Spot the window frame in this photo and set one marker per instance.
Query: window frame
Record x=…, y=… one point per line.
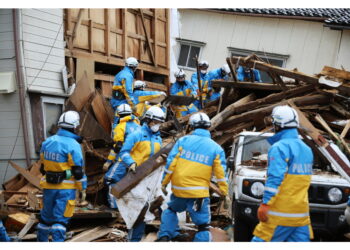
x=52, y=100
x=190, y=43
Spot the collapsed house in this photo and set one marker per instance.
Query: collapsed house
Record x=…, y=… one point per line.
x=322, y=102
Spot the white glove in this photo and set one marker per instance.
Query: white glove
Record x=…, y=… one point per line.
x=132, y=167
x=163, y=93
x=83, y=196
x=347, y=214
x=227, y=202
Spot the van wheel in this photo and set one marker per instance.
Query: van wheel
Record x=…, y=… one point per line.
x=242, y=231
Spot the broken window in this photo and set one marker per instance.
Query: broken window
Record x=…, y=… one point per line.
x=271, y=58
x=188, y=52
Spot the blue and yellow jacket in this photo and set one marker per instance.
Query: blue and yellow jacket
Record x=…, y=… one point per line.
x=241, y=74
x=59, y=153
x=191, y=163
x=140, y=97
x=124, y=83
x=126, y=126
x=289, y=173
x=185, y=89
x=204, y=78
x=139, y=146
x=215, y=74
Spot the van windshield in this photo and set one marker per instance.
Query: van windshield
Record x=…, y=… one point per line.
x=253, y=147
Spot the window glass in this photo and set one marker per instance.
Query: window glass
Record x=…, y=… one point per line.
x=183, y=55
x=52, y=113
x=192, y=61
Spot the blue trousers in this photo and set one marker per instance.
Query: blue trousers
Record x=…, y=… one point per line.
x=58, y=208
x=169, y=220
x=135, y=234
x=113, y=175
x=3, y=234
x=288, y=234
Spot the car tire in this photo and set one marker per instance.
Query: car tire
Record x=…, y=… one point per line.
x=242, y=232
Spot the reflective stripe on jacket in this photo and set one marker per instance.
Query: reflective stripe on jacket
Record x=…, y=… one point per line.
x=124, y=83
x=289, y=173
x=185, y=89
x=59, y=153
x=139, y=146
x=191, y=163
x=140, y=97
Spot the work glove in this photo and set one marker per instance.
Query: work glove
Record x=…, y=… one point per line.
x=163, y=93
x=132, y=167
x=227, y=201
x=347, y=214
x=83, y=195
x=262, y=212
x=106, y=166
x=165, y=192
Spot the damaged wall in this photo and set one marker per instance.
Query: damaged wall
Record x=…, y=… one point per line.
x=309, y=45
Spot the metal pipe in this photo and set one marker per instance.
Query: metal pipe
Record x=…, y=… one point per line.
x=20, y=83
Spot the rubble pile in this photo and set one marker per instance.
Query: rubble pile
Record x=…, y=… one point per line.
x=322, y=101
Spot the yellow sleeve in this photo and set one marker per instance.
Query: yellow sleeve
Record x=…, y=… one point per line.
x=119, y=132
x=220, y=175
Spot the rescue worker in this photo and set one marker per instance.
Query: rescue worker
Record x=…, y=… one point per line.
x=123, y=84
x=63, y=174
x=128, y=124
x=190, y=165
x=3, y=234
x=284, y=212
x=245, y=74
x=221, y=73
x=141, y=97
x=182, y=87
x=137, y=148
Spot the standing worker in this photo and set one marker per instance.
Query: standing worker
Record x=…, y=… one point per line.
x=190, y=165
x=123, y=84
x=216, y=74
x=204, y=82
x=62, y=160
x=141, y=97
x=247, y=74
x=182, y=87
x=284, y=212
x=138, y=147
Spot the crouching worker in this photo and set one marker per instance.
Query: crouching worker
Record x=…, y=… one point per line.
x=284, y=212
x=62, y=167
x=138, y=148
x=190, y=165
x=127, y=125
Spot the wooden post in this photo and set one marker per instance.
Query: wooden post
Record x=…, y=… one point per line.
x=148, y=38
x=91, y=38
x=107, y=33
x=124, y=39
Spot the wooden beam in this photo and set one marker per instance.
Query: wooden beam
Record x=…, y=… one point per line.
x=77, y=25
x=27, y=175
x=233, y=70
x=107, y=33
x=124, y=37
x=132, y=179
x=345, y=130
x=155, y=34
x=337, y=73
x=91, y=36
x=249, y=85
x=340, y=110
x=92, y=234
x=227, y=112
x=148, y=38
x=275, y=69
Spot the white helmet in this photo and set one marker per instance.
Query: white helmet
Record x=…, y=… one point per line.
x=139, y=84
x=155, y=113
x=285, y=117
x=203, y=64
x=69, y=119
x=131, y=62
x=226, y=69
x=180, y=73
x=124, y=109
x=200, y=120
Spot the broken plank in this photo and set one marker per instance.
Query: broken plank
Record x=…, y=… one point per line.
x=345, y=130
x=82, y=93
x=91, y=234
x=338, y=73
x=100, y=112
x=32, y=220
x=275, y=69
x=249, y=85
x=27, y=175
x=219, y=118
x=340, y=110
x=132, y=179
x=151, y=237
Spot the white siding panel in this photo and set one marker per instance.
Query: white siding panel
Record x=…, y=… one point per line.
x=44, y=74
x=254, y=33
x=5, y=11
x=44, y=66
x=45, y=88
x=213, y=37
x=5, y=168
x=43, y=82
x=41, y=23
x=283, y=36
x=7, y=54
x=5, y=18
x=9, y=123
x=43, y=49
x=34, y=38
x=40, y=57
x=43, y=16
x=11, y=115
x=6, y=27
x=9, y=45
x=43, y=32
x=18, y=150
x=268, y=33
x=56, y=12
x=240, y=33
x=6, y=36
x=7, y=65
x=344, y=51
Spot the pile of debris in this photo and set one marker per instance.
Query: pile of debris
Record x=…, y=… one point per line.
x=322, y=101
